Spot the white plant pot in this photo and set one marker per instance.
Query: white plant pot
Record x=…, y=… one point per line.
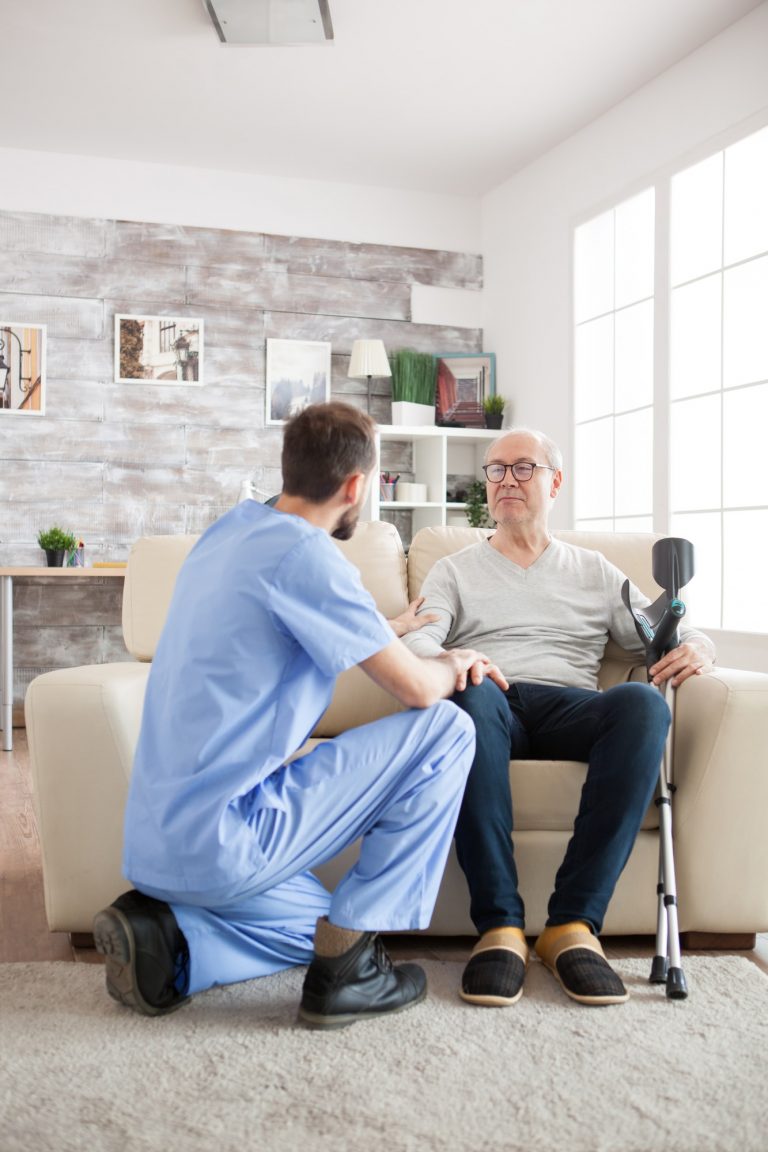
x=416, y=415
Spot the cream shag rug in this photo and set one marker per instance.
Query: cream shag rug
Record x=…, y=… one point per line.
x=231, y=1071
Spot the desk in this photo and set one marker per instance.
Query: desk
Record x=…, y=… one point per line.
x=30, y=576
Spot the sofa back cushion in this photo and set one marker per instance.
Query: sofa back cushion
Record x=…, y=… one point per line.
x=153, y=565
x=631, y=552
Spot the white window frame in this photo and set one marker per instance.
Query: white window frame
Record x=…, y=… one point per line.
x=754, y=643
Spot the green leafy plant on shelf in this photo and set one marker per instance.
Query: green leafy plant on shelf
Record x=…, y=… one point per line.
x=494, y=405
x=475, y=506
x=414, y=375
x=56, y=540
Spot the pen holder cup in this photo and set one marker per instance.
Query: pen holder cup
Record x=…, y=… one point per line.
x=387, y=492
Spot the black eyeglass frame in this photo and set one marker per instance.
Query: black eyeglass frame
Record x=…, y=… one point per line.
x=524, y=464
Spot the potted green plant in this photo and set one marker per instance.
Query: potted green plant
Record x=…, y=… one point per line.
x=414, y=376
x=56, y=543
x=493, y=407
x=475, y=505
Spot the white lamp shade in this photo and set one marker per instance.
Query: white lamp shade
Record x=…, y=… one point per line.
x=368, y=358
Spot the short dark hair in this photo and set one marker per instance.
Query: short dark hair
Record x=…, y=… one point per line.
x=323, y=445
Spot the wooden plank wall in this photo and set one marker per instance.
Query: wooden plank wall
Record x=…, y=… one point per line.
x=113, y=462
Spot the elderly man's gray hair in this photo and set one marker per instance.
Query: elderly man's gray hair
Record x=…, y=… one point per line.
x=553, y=454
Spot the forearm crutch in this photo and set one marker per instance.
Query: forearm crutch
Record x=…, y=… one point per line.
x=657, y=627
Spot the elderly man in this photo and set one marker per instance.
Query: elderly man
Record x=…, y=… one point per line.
x=543, y=610
x=221, y=830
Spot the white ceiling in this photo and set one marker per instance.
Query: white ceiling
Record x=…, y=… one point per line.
x=435, y=95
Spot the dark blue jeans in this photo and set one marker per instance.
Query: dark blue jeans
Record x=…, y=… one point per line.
x=619, y=733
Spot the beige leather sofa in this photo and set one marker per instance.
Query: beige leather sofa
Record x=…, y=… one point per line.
x=83, y=724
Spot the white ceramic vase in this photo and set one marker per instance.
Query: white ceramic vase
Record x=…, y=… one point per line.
x=415, y=415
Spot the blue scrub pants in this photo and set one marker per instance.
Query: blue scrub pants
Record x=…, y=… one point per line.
x=397, y=783
x=620, y=733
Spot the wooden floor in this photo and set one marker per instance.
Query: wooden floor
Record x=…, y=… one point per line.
x=24, y=934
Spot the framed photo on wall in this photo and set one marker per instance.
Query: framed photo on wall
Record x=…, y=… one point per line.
x=22, y=368
x=298, y=374
x=158, y=350
x=464, y=379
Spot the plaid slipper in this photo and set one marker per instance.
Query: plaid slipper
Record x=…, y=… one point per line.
x=577, y=961
x=493, y=977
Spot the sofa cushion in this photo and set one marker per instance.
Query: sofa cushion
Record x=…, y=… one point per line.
x=153, y=565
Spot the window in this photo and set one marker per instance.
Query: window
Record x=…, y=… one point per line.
x=167, y=337
x=711, y=396
x=613, y=370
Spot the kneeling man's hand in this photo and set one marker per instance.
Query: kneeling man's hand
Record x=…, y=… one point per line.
x=474, y=667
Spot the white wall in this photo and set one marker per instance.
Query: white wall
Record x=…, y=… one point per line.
x=127, y=190
x=528, y=223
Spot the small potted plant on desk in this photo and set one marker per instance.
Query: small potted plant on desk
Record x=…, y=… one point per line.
x=493, y=407
x=56, y=543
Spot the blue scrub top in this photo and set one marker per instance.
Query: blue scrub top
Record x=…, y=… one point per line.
x=265, y=614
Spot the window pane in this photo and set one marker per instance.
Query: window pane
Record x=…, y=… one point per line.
x=745, y=604
x=634, y=463
x=745, y=322
x=593, y=262
x=695, y=328
x=594, y=369
x=696, y=214
x=594, y=525
x=634, y=356
x=746, y=198
x=702, y=595
x=634, y=249
x=694, y=454
x=745, y=421
x=634, y=524
x=594, y=467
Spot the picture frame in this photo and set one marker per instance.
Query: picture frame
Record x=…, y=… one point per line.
x=158, y=350
x=298, y=374
x=22, y=368
x=464, y=380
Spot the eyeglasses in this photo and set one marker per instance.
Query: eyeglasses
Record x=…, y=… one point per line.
x=521, y=471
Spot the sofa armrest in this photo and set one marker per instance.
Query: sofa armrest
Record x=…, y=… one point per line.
x=82, y=727
x=720, y=807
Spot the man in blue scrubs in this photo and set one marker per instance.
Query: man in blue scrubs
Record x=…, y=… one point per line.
x=221, y=833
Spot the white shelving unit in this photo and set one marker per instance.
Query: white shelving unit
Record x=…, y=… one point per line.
x=437, y=454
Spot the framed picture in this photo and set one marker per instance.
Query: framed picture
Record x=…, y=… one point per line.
x=22, y=368
x=298, y=374
x=158, y=350
x=463, y=382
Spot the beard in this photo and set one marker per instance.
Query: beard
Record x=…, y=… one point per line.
x=347, y=524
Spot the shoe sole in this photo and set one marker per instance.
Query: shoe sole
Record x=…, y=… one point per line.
x=484, y=1000
x=114, y=940
x=326, y=1021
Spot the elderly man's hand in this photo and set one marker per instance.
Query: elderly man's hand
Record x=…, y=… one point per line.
x=684, y=661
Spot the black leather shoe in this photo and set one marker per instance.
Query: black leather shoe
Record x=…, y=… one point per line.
x=357, y=985
x=145, y=951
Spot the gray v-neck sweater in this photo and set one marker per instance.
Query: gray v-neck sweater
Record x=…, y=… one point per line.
x=548, y=623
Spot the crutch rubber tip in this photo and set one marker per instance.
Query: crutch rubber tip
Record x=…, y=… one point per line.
x=677, y=989
x=658, y=970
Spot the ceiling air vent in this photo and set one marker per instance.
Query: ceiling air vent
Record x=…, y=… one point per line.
x=271, y=21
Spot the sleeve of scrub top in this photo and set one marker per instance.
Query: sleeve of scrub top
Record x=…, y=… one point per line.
x=319, y=599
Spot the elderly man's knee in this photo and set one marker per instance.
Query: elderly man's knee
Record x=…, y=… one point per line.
x=637, y=703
